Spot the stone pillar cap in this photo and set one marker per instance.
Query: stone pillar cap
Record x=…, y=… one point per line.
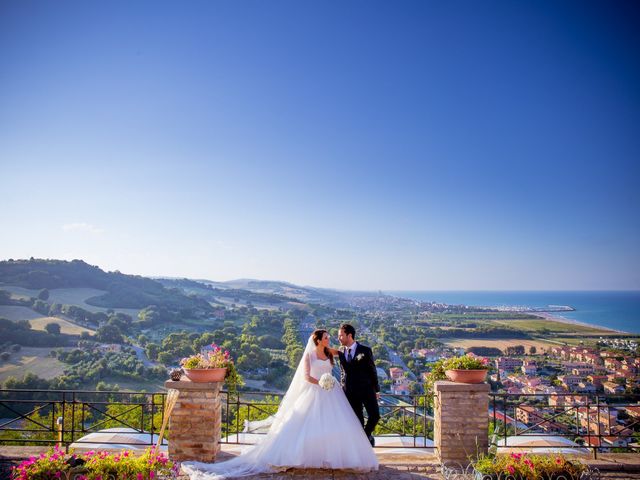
x=447, y=386
x=186, y=384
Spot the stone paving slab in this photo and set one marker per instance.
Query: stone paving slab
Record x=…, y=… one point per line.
x=401, y=464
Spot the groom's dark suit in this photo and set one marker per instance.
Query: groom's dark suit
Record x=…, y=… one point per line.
x=360, y=384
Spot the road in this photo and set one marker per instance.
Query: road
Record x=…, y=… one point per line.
x=142, y=356
x=395, y=359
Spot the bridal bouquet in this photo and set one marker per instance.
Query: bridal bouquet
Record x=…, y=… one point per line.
x=327, y=381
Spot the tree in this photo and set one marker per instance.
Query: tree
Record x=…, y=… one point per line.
x=43, y=294
x=152, y=350
x=515, y=350
x=5, y=297
x=109, y=334
x=53, y=328
x=165, y=358
x=533, y=350
x=5, y=356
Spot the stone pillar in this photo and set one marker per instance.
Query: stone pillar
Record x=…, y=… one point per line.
x=461, y=421
x=194, y=423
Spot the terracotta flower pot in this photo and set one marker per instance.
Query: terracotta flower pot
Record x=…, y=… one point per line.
x=466, y=376
x=205, y=375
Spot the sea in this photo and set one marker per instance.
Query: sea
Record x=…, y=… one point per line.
x=617, y=310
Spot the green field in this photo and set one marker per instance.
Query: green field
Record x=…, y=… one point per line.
x=540, y=325
x=77, y=296
x=66, y=327
x=31, y=359
x=15, y=313
x=19, y=291
x=65, y=296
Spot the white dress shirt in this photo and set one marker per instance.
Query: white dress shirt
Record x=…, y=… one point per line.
x=351, y=349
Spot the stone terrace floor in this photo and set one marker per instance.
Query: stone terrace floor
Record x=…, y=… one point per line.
x=406, y=464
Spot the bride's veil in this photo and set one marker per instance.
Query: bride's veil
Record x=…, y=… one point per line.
x=297, y=386
x=253, y=461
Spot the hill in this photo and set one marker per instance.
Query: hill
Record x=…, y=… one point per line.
x=120, y=290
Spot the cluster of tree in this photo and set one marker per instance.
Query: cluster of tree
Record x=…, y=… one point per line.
x=20, y=332
x=181, y=344
x=485, y=351
x=405, y=338
x=294, y=347
x=7, y=349
x=514, y=350
x=88, y=365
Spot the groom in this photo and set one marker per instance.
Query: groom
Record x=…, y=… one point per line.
x=359, y=378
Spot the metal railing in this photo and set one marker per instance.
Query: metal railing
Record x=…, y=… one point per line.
x=47, y=417
x=405, y=420
x=590, y=421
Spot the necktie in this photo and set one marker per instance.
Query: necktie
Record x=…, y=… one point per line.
x=349, y=356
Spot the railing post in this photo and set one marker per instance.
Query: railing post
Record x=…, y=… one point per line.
x=59, y=426
x=73, y=417
x=64, y=417
x=595, y=450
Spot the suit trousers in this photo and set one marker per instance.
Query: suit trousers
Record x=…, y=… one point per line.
x=367, y=399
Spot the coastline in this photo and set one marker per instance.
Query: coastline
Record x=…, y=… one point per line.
x=612, y=312
x=554, y=317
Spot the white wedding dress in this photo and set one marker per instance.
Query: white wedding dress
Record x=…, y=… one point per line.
x=313, y=428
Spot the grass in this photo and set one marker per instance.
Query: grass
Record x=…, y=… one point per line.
x=15, y=313
x=558, y=333
x=538, y=326
x=68, y=296
x=31, y=359
x=78, y=296
x=19, y=291
x=66, y=327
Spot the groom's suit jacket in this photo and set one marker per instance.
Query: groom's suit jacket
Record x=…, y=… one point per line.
x=359, y=374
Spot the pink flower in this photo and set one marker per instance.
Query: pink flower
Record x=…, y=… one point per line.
x=511, y=469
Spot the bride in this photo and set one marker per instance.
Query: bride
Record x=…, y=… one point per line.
x=313, y=428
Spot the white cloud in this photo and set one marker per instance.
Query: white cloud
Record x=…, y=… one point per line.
x=82, y=227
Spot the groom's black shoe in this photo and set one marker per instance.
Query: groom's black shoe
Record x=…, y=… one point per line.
x=372, y=441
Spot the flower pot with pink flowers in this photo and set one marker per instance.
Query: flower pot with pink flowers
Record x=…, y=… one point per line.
x=213, y=365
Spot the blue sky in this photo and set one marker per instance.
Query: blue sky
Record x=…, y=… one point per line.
x=362, y=145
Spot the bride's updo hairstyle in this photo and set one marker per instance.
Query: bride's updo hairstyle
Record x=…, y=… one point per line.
x=317, y=338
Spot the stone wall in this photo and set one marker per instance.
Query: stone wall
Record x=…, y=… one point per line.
x=461, y=421
x=194, y=423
